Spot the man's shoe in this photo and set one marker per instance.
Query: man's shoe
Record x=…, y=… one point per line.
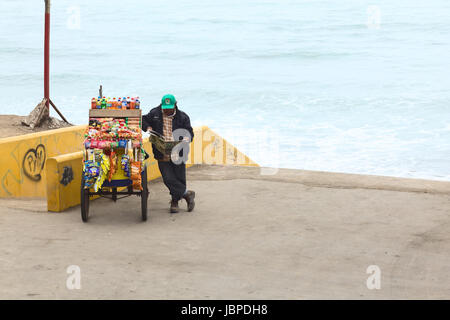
x=189, y=197
x=174, y=206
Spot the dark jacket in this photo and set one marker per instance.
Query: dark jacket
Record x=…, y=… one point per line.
x=154, y=119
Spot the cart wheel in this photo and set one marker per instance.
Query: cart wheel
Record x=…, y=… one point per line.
x=144, y=194
x=84, y=201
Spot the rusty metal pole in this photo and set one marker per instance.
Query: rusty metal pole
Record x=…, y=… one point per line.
x=42, y=110
x=47, y=55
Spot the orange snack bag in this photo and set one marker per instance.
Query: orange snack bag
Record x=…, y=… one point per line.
x=136, y=175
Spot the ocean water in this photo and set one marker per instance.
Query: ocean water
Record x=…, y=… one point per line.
x=348, y=86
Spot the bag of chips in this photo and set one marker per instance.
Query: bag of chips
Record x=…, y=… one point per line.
x=91, y=171
x=136, y=175
x=125, y=163
x=113, y=164
x=104, y=169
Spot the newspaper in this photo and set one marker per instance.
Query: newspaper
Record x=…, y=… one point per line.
x=162, y=145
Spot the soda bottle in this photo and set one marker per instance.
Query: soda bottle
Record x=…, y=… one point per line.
x=137, y=104
x=99, y=103
x=114, y=103
x=93, y=103
x=108, y=103
x=124, y=103
x=103, y=103
x=132, y=103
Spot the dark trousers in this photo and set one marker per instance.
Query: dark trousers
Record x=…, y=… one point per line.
x=174, y=177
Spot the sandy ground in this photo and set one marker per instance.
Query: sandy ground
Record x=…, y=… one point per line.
x=10, y=125
x=292, y=235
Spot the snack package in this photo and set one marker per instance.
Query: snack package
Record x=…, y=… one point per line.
x=94, y=144
x=91, y=171
x=114, y=144
x=98, y=155
x=125, y=163
x=136, y=175
x=113, y=164
x=103, y=175
x=122, y=143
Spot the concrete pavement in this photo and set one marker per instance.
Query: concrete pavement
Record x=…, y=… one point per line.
x=292, y=235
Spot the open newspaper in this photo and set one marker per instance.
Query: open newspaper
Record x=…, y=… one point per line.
x=163, y=146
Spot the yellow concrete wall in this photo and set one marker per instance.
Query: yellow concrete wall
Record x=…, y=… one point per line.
x=64, y=181
x=23, y=159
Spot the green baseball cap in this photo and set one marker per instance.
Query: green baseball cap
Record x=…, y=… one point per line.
x=168, y=101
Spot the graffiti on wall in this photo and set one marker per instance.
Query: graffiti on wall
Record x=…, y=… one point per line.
x=33, y=162
x=67, y=176
x=22, y=165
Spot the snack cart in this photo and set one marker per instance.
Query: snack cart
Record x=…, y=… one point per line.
x=113, y=163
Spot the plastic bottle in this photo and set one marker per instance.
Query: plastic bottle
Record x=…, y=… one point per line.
x=124, y=103
x=130, y=149
x=99, y=103
x=119, y=103
x=137, y=104
x=108, y=103
x=114, y=103
x=94, y=103
x=132, y=103
x=103, y=103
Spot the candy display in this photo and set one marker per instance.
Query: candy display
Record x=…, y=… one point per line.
x=113, y=103
x=113, y=157
x=113, y=145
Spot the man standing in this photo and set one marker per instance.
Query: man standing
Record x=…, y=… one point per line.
x=165, y=119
